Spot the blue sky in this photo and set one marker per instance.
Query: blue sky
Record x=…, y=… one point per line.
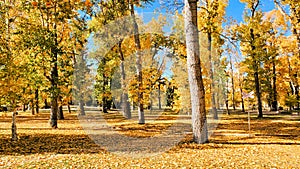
x=235, y=9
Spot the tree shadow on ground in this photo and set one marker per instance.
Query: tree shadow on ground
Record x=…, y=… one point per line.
x=255, y=143
x=270, y=131
x=48, y=143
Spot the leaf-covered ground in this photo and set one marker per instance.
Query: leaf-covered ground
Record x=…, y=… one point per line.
x=274, y=143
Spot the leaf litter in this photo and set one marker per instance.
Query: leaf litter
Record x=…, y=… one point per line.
x=274, y=143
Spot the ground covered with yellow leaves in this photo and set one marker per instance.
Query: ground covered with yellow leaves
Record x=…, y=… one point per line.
x=274, y=142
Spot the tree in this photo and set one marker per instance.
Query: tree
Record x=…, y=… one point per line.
x=270, y=68
x=51, y=29
x=13, y=67
x=113, y=11
x=138, y=65
x=199, y=122
x=105, y=71
x=124, y=98
x=293, y=17
x=286, y=70
x=241, y=85
x=253, y=42
x=82, y=81
x=138, y=58
x=171, y=93
x=212, y=13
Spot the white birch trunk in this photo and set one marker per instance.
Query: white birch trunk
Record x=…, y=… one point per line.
x=199, y=121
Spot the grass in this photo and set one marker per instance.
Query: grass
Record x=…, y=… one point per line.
x=274, y=142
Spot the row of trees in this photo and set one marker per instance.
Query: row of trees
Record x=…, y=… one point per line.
x=271, y=53
x=262, y=39
x=40, y=43
x=43, y=43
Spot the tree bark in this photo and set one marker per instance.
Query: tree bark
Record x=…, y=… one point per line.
x=212, y=85
x=159, y=97
x=60, y=110
x=138, y=66
x=37, y=101
x=297, y=96
x=54, y=92
x=53, y=112
x=199, y=122
x=227, y=107
x=232, y=84
x=241, y=91
x=274, y=100
x=24, y=107
x=69, y=108
x=54, y=78
x=258, y=94
x=218, y=94
x=256, y=77
x=32, y=107
x=60, y=113
x=227, y=93
x=104, y=98
x=125, y=105
x=46, y=104
x=81, y=108
x=14, y=136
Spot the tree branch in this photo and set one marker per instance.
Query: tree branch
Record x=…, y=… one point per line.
x=277, y=4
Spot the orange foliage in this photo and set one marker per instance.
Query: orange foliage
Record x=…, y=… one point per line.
x=48, y=4
x=88, y=3
x=34, y=3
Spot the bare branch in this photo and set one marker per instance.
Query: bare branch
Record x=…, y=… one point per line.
x=278, y=5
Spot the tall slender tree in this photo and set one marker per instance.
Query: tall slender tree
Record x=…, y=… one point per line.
x=212, y=13
x=199, y=121
x=253, y=43
x=138, y=65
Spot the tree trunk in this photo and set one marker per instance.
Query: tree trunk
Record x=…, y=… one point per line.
x=46, y=104
x=54, y=92
x=24, y=107
x=81, y=108
x=60, y=113
x=159, y=97
x=37, y=101
x=227, y=107
x=69, y=108
x=125, y=105
x=14, y=136
x=54, y=79
x=199, y=122
x=60, y=110
x=274, y=103
x=212, y=85
x=227, y=93
x=138, y=67
x=270, y=98
x=232, y=84
x=256, y=78
x=258, y=94
x=151, y=103
x=104, y=98
x=53, y=113
x=241, y=91
x=32, y=107
x=218, y=95
x=297, y=95
x=296, y=33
